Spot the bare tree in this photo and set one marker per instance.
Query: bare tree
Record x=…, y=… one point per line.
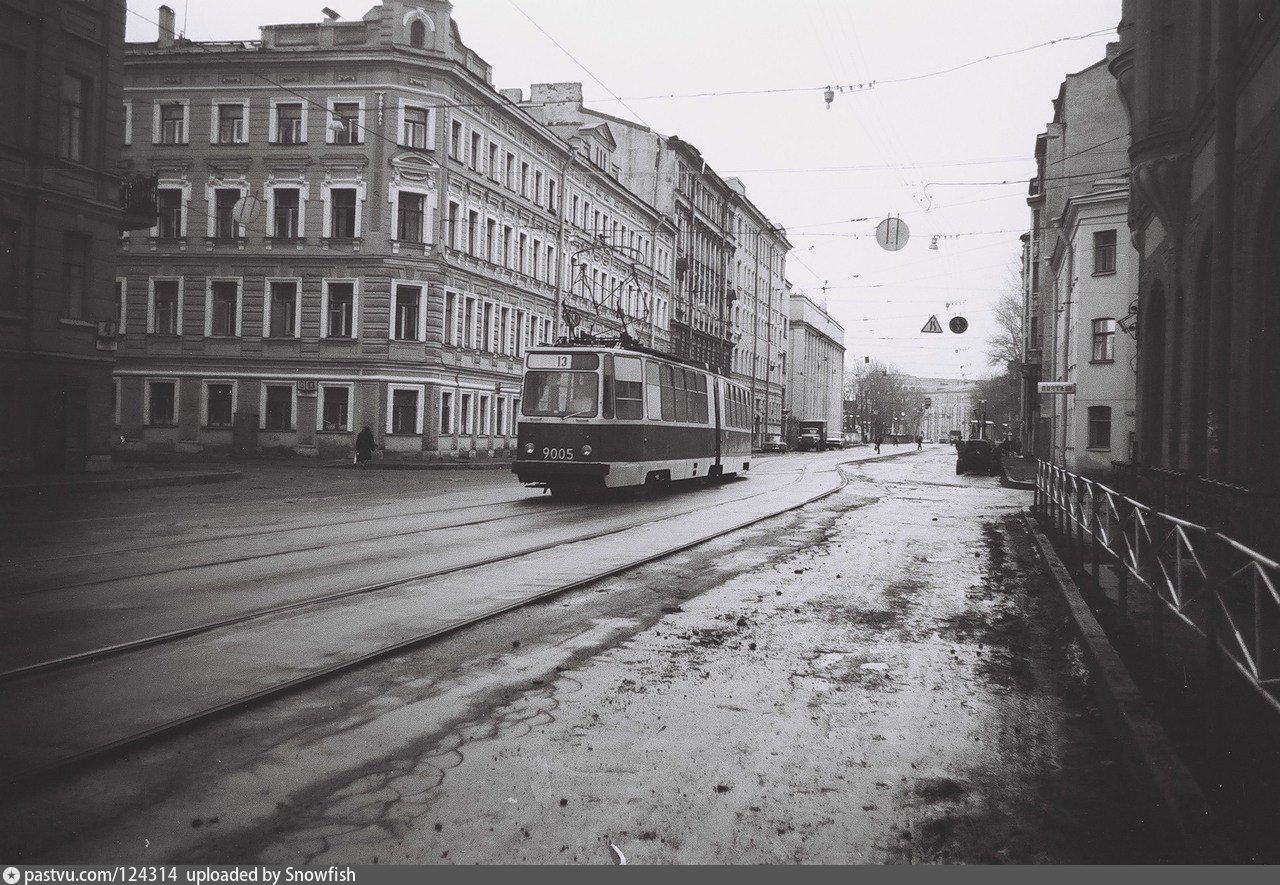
x=1005, y=345
x=884, y=400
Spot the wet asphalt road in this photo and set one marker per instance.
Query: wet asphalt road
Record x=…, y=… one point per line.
x=881, y=677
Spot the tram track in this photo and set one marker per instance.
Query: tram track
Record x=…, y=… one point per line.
x=50, y=669
x=257, y=556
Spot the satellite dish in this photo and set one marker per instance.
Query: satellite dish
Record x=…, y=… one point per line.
x=892, y=234
x=246, y=210
x=958, y=324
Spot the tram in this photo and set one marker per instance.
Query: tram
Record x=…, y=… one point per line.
x=601, y=413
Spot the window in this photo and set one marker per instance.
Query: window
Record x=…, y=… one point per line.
x=448, y=335
x=173, y=123
x=452, y=222
x=1104, y=340
x=473, y=232
x=169, y=207
x=473, y=159
x=219, y=398
x=406, y=313
x=339, y=310
x=342, y=212
x=493, y=161
x=509, y=179
x=230, y=124
x=277, y=412
x=551, y=195
x=282, y=309
x=446, y=412
x=346, y=114
x=537, y=187
x=404, y=411
x=289, y=123
x=1104, y=251
x=455, y=139
x=223, y=318
x=75, y=267
x=74, y=117
x=485, y=412
x=629, y=388
x=490, y=240
x=469, y=322
x=224, y=204
x=521, y=258
x=501, y=428
x=285, y=213
x=1100, y=427
x=335, y=407
x=410, y=216
x=417, y=34
x=464, y=414
x=165, y=300
x=507, y=234
x=162, y=400
x=486, y=339
x=414, y=130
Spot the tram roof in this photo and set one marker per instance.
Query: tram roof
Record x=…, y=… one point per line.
x=626, y=343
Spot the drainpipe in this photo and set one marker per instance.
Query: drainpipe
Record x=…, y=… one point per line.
x=561, y=248
x=1220, y=291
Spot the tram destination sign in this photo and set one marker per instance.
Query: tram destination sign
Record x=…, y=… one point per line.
x=1056, y=387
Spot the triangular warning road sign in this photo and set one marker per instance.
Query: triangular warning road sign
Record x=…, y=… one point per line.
x=932, y=325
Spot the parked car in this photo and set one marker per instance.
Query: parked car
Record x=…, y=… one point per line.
x=834, y=441
x=773, y=442
x=977, y=455
x=942, y=440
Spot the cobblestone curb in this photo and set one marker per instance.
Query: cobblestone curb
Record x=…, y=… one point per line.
x=1150, y=760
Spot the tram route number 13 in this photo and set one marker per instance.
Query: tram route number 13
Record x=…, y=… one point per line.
x=557, y=454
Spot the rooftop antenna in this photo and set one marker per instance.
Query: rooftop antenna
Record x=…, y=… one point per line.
x=186, y=7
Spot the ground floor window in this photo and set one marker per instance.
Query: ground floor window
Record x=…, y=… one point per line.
x=162, y=401
x=464, y=408
x=446, y=412
x=278, y=414
x=336, y=407
x=218, y=403
x=1099, y=427
x=484, y=415
x=501, y=429
x=404, y=411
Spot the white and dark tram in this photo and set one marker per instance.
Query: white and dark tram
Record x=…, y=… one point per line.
x=609, y=413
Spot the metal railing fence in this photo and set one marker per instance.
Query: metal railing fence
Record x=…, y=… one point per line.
x=1224, y=591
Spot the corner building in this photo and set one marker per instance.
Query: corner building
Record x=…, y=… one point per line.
x=355, y=228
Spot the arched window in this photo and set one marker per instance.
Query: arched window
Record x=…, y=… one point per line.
x=417, y=34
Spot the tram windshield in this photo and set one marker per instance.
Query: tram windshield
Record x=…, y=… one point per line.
x=561, y=394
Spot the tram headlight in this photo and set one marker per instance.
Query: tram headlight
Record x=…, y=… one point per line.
x=586, y=451
x=528, y=448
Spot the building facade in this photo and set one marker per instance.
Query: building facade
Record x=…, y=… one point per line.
x=61, y=212
x=949, y=405
x=1201, y=81
x=815, y=379
x=1095, y=270
x=1086, y=141
x=355, y=228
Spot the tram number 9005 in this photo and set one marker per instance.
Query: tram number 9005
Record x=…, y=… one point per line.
x=557, y=454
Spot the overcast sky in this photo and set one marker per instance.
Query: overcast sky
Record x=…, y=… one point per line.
x=926, y=149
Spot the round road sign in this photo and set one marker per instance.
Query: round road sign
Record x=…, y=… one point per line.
x=958, y=324
x=892, y=234
x=246, y=210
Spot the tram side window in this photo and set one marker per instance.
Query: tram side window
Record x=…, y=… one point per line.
x=698, y=398
x=629, y=388
x=668, y=395
x=680, y=395
x=653, y=391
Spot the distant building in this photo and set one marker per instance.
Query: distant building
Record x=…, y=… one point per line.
x=356, y=228
x=729, y=283
x=1086, y=143
x=1095, y=271
x=949, y=405
x=62, y=203
x=816, y=377
x=1201, y=86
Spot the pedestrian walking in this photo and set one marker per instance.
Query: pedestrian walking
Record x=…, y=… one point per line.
x=878, y=440
x=919, y=443
x=364, y=446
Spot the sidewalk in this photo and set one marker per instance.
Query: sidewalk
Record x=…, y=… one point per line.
x=25, y=486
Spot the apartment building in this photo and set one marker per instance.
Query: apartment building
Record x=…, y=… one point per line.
x=355, y=228
x=815, y=382
x=62, y=206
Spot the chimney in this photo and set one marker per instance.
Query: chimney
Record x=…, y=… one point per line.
x=166, y=28
x=515, y=95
